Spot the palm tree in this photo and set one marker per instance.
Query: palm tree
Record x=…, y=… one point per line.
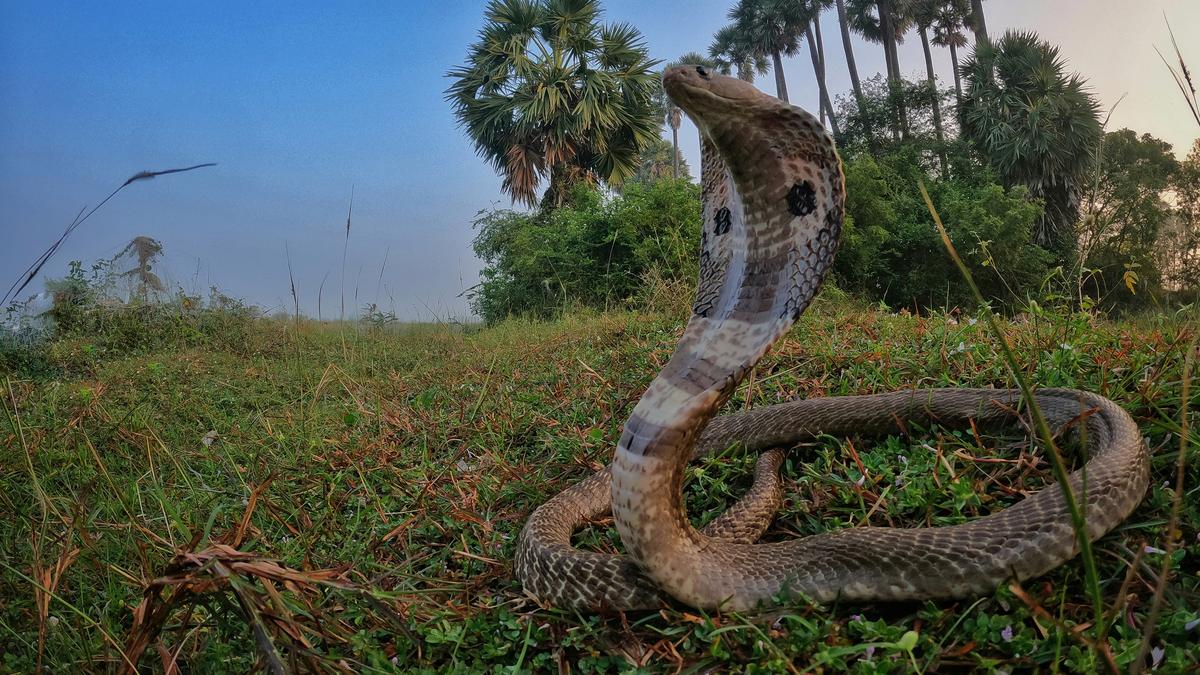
x=947, y=32
x=879, y=21
x=845, y=26
x=771, y=28
x=924, y=13
x=659, y=161
x=1036, y=125
x=548, y=92
x=977, y=21
x=816, y=50
x=733, y=54
x=671, y=113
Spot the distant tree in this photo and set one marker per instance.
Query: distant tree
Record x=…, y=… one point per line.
x=1179, y=239
x=861, y=121
x=816, y=51
x=771, y=28
x=977, y=21
x=1036, y=125
x=948, y=28
x=595, y=251
x=924, y=14
x=844, y=24
x=733, y=54
x=891, y=253
x=882, y=22
x=1124, y=213
x=659, y=161
x=548, y=92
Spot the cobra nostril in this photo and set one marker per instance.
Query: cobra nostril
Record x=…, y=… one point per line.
x=702, y=71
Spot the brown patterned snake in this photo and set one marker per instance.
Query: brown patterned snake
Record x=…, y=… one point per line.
x=773, y=203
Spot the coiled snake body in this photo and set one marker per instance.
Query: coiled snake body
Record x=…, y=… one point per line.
x=773, y=196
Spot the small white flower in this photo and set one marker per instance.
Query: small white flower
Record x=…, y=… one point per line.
x=1191, y=625
x=962, y=347
x=903, y=459
x=1156, y=656
x=860, y=480
x=972, y=321
x=1066, y=347
x=1153, y=549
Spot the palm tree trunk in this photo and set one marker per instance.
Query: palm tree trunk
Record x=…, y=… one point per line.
x=979, y=23
x=893, y=62
x=745, y=72
x=819, y=70
x=813, y=35
x=675, y=152
x=937, y=104
x=844, y=24
x=957, y=77
x=780, y=83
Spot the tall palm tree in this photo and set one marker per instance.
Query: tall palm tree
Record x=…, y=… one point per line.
x=733, y=54
x=924, y=13
x=1036, y=125
x=977, y=21
x=816, y=50
x=844, y=24
x=880, y=21
x=671, y=113
x=771, y=28
x=549, y=92
x=948, y=32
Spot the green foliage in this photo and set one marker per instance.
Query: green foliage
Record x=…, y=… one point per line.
x=548, y=92
x=891, y=252
x=1179, y=239
x=593, y=252
x=86, y=323
x=659, y=161
x=1036, y=125
x=1124, y=214
x=732, y=53
x=863, y=121
x=770, y=27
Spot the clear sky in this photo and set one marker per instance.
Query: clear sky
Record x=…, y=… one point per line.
x=301, y=102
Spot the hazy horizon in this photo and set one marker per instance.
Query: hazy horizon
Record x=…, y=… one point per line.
x=300, y=105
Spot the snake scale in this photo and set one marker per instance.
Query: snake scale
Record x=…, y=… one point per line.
x=773, y=194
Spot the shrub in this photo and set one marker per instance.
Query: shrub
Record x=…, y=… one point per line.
x=593, y=252
x=891, y=252
x=87, y=323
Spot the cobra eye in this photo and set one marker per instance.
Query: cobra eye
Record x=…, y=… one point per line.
x=702, y=71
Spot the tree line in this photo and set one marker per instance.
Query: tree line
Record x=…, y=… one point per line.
x=552, y=96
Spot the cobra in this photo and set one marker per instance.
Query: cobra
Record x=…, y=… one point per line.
x=773, y=204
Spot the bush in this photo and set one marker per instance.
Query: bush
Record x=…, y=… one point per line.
x=891, y=252
x=86, y=324
x=593, y=252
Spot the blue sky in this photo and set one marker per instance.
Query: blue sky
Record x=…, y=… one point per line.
x=301, y=102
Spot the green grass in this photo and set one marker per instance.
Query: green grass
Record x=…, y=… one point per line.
x=389, y=472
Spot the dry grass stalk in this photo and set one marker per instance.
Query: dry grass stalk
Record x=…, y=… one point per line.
x=221, y=568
